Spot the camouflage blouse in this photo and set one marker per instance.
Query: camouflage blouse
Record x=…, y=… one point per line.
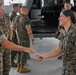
x=4, y=27
x=68, y=44
x=2, y=36
x=20, y=23
x=12, y=15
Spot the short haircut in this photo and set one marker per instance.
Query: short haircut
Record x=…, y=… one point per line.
x=20, y=6
x=0, y=4
x=24, y=8
x=15, y=5
x=67, y=2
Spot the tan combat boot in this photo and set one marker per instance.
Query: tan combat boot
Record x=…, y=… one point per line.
x=13, y=64
x=23, y=69
x=18, y=67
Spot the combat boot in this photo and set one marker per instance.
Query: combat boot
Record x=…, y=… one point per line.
x=23, y=69
x=18, y=67
x=13, y=64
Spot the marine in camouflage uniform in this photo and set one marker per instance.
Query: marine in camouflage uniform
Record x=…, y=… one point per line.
x=24, y=39
x=12, y=16
x=67, y=5
x=21, y=24
x=67, y=44
x=4, y=54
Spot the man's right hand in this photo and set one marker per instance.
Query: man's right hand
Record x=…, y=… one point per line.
x=32, y=51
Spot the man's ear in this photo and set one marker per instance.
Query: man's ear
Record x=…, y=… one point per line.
x=69, y=17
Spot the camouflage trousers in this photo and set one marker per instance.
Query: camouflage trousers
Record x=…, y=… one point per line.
x=14, y=53
x=4, y=61
x=68, y=72
x=23, y=56
x=69, y=68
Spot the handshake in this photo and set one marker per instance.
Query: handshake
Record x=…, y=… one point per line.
x=39, y=57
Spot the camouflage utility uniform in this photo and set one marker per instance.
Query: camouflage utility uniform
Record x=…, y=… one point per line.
x=21, y=23
x=68, y=44
x=4, y=54
x=12, y=16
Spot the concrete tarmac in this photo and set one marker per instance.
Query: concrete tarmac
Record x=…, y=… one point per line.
x=50, y=66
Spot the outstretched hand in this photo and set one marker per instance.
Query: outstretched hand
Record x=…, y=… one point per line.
x=32, y=51
x=29, y=50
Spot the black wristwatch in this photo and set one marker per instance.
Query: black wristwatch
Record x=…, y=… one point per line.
x=10, y=40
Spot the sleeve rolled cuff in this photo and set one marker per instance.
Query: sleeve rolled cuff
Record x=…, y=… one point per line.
x=28, y=26
x=2, y=37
